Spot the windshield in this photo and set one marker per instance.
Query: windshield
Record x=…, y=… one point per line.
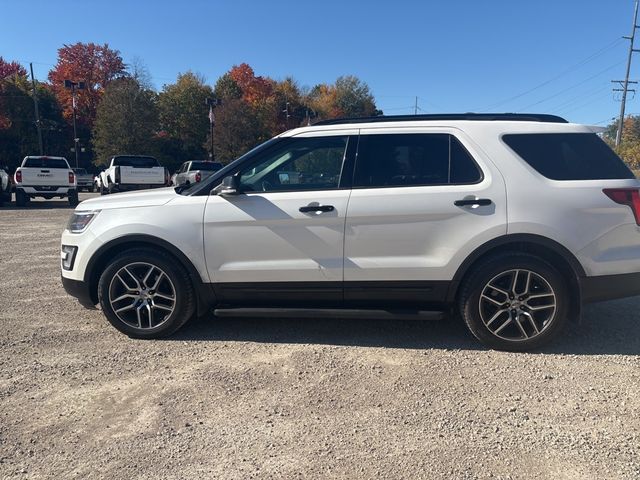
x=80, y=171
x=203, y=188
x=209, y=166
x=41, y=162
x=136, y=162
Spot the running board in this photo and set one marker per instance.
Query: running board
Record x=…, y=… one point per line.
x=313, y=313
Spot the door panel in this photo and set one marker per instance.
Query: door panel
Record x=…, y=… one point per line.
x=416, y=232
x=263, y=237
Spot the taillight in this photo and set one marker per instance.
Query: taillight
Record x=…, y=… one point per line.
x=18, y=176
x=198, y=177
x=626, y=196
x=72, y=178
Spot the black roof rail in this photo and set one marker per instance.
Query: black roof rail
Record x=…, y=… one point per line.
x=517, y=117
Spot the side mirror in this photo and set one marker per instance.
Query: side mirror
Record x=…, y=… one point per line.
x=230, y=186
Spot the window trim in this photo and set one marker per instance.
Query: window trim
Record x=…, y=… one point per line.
x=449, y=184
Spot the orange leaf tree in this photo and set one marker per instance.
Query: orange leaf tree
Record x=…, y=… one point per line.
x=96, y=65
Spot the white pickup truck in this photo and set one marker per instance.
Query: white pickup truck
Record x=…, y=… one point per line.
x=46, y=177
x=132, y=172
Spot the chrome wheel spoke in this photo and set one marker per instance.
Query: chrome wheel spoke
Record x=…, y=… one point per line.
x=521, y=328
x=514, y=282
x=166, y=297
x=493, y=287
x=123, y=296
x=138, y=316
x=495, y=317
x=541, y=307
x=158, y=280
x=531, y=321
x=127, y=308
x=492, y=300
x=162, y=307
x=146, y=277
x=503, y=326
x=133, y=277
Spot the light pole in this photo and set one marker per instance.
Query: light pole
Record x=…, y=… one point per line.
x=212, y=102
x=73, y=86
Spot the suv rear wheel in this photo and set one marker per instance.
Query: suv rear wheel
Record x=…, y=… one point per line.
x=146, y=293
x=514, y=302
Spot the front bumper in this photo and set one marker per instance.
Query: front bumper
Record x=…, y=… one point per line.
x=80, y=290
x=609, y=287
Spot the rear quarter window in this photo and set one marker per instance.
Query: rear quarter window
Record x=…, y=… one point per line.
x=568, y=156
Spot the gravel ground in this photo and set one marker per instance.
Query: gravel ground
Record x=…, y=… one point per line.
x=243, y=398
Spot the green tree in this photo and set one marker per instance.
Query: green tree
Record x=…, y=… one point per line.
x=353, y=97
x=126, y=121
x=237, y=131
x=184, y=115
x=18, y=132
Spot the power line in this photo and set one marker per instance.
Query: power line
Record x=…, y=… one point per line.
x=569, y=88
x=561, y=74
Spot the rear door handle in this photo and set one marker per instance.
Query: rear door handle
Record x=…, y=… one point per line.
x=471, y=202
x=317, y=208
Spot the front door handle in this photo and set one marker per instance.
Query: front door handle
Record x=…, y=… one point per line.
x=472, y=202
x=317, y=208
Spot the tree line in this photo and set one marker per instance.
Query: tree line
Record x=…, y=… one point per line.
x=119, y=112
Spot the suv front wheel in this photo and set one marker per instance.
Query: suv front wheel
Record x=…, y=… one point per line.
x=146, y=293
x=514, y=302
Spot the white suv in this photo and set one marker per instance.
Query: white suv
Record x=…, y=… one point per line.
x=512, y=220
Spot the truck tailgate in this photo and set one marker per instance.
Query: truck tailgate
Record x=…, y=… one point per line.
x=45, y=176
x=142, y=176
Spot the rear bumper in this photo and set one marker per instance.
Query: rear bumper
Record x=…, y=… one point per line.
x=45, y=189
x=609, y=287
x=80, y=290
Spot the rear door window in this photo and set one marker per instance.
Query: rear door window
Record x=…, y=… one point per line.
x=136, y=162
x=398, y=160
x=46, y=163
x=569, y=156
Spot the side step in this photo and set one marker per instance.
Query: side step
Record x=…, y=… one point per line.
x=312, y=313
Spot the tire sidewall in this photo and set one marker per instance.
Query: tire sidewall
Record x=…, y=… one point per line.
x=184, y=293
x=484, y=273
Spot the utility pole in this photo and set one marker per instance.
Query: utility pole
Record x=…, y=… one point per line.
x=212, y=102
x=415, y=108
x=73, y=86
x=286, y=115
x=625, y=83
x=35, y=104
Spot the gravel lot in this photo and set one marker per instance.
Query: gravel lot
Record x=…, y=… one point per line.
x=243, y=398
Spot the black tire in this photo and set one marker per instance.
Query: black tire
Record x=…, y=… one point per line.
x=103, y=191
x=112, y=188
x=537, y=323
x=184, y=305
x=21, y=198
x=73, y=198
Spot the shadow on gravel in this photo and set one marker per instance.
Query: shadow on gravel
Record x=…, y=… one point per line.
x=611, y=328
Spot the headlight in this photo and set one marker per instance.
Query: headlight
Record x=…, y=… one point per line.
x=79, y=221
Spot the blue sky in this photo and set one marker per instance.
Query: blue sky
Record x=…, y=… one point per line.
x=549, y=56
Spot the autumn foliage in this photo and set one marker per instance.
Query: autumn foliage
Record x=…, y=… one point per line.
x=96, y=65
x=120, y=111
